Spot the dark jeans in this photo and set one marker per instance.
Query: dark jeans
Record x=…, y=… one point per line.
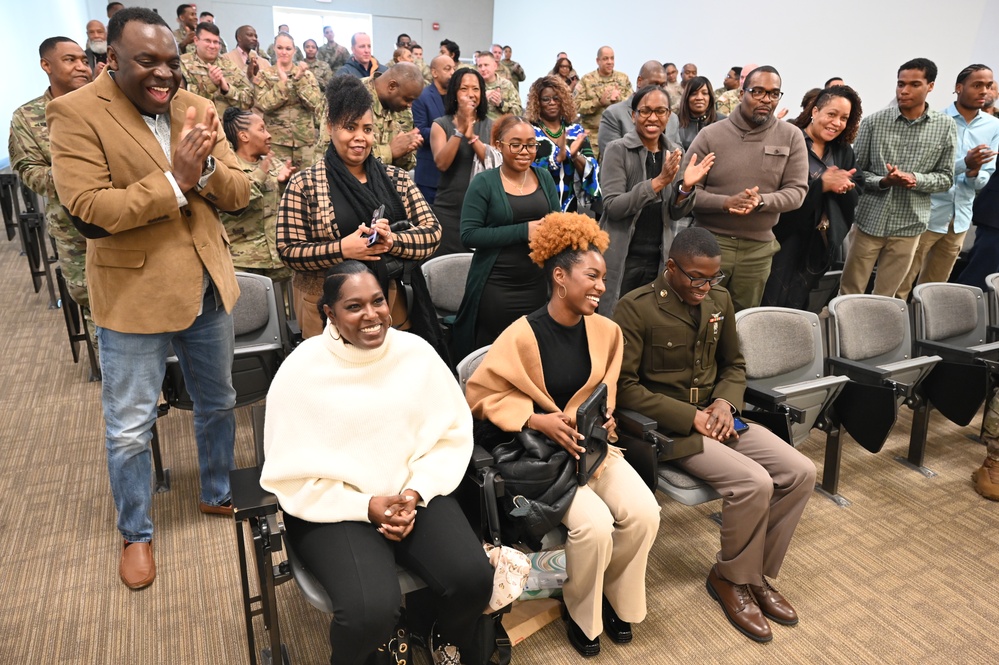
x=983, y=259
x=356, y=566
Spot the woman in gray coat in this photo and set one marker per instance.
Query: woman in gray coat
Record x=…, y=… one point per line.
x=641, y=200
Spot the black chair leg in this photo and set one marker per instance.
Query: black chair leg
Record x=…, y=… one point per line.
x=917, y=437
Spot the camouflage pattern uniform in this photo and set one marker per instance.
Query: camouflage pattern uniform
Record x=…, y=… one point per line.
x=272, y=55
x=253, y=233
x=591, y=87
x=179, y=34
x=728, y=102
x=512, y=72
x=336, y=56
x=195, y=73
x=428, y=79
x=675, y=92
x=719, y=92
x=290, y=109
x=388, y=125
x=31, y=157
x=510, y=102
x=321, y=71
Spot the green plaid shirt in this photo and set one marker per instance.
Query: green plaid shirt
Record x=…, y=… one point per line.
x=924, y=147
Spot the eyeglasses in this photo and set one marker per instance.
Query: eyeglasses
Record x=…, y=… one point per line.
x=518, y=148
x=645, y=112
x=760, y=93
x=698, y=282
x=548, y=100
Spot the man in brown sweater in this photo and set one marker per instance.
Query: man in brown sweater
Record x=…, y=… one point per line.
x=760, y=171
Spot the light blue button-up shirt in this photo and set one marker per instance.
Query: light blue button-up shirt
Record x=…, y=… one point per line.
x=956, y=202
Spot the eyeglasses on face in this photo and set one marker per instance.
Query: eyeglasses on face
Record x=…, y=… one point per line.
x=760, y=93
x=517, y=147
x=548, y=100
x=645, y=112
x=698, y=282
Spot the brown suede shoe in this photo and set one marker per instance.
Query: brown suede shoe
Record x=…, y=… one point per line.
x=211, y=509
x=986, y=479
x=137, y=568
x=739, y=606
x=773, y=605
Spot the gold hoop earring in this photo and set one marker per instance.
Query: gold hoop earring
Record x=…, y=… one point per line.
x=563, y=293
x=390, y=320
x=331, y=328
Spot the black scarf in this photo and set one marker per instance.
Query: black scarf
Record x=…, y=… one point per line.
x=364, y=199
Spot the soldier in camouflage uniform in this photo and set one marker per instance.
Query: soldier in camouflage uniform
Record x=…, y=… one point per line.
x=986, y=478
x=728, y=102
x=187, y=17
x=392, y=95
x=289, y=98
x=272, y=54
x=318, y=67
x=508, y=69
x=30, y=156
x=502, y=96
x=208, y=17
x=417, y=52
x=598, y=90
x=335, y=55
x=212, y=77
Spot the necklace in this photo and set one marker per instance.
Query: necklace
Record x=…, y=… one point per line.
x=553, y=135
x=523, y=181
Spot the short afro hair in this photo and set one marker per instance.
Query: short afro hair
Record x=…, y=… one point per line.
x=562, y=238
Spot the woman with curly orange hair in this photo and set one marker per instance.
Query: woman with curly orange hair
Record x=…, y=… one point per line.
x=563, y=147
x=536, y=375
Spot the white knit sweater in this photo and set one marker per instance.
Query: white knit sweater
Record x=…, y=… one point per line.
x=344, y=424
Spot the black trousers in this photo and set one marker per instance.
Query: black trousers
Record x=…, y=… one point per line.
x=356, y=566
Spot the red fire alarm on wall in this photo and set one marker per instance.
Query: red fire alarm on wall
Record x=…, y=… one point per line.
x=437, y=26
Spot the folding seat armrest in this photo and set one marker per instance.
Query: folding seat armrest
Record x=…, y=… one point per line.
x=857, y=371
x=948, y=352
x=249, y=499
x=635, y=423
x=481, y=458
x=764, y=397
x=992, y=333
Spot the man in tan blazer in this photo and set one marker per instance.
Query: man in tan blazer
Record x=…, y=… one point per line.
x=682, y=366
x=143, y=169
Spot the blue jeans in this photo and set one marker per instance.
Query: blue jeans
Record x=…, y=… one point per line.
x=133, y=366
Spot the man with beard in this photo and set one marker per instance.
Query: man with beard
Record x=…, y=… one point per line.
x=392, y=95
x=65, y=63
x=760, y=171
x=143, y=170
x=97, y=47
x=428, y=107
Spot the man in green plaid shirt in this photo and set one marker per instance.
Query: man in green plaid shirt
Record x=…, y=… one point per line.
x=906, y=152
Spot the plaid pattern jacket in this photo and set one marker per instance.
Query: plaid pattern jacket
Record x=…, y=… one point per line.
x=308, y=238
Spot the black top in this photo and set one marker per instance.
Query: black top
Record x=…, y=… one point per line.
x=648, y=235
x=514, y=260
x=565, y=355
x=344, y=214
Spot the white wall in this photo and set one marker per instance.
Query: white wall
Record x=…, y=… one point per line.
x=23, y=26
x=864, y=41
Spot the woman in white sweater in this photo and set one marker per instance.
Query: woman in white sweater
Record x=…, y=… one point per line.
x=366, y=433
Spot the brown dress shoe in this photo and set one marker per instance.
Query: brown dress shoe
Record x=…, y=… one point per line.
x=739, y=606
x=211, y=509
x=986, y=479
x=773, y=605
x=137, y=568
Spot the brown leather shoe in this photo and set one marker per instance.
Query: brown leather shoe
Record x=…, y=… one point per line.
x=137, y=568
x=986, y=479
x=773, y=605
x=739, y=606
x=211, y=509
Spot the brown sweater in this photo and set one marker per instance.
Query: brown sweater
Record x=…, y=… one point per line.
x=772, y=157
x=510, y=380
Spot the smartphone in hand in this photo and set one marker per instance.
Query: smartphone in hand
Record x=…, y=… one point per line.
x=375, y=216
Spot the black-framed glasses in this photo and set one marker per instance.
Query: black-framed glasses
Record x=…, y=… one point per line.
x=698, y=282
x=760, y=93
x=645, y=112
x=518, y=148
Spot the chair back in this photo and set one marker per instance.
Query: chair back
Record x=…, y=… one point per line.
x=950, y=313
x=469, y=364
x=869, y=329
x=445, y=277
x=992, y=283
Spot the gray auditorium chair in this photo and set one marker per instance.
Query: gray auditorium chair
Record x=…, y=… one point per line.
x=787, y=387
x=445, y=276
x=951, y=321
x=992, y=283
x=870, y=341
x=257, y=354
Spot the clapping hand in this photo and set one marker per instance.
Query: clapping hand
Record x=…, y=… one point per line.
x=696, y=172
x=218, y=78
x=837, y=180
x=744, y=202
x=195, y=144
x=976, y=157
x=898, y=178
